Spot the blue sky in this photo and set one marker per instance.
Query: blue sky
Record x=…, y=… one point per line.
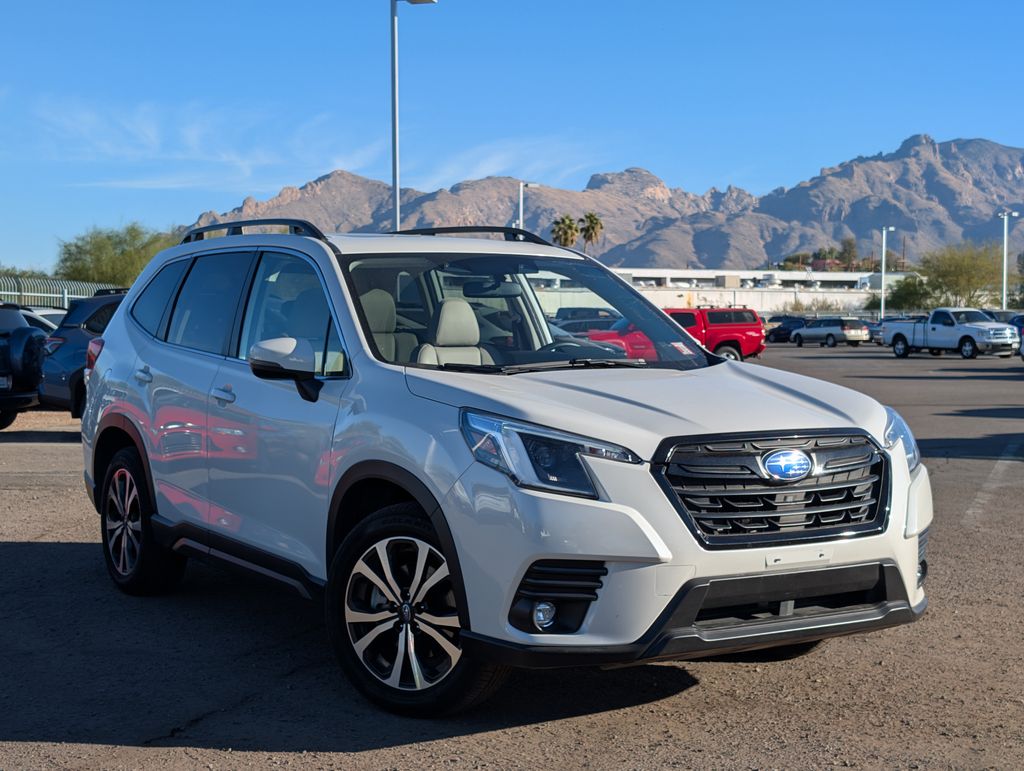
x=114, y=112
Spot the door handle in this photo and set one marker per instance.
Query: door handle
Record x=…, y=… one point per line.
x=224, y=394
x=144, y=375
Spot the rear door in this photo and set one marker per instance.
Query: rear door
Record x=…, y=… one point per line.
x=178, y=358
x=270, y=454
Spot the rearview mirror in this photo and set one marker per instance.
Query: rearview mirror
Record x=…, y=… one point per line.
x=491, y=289
x=286, y=358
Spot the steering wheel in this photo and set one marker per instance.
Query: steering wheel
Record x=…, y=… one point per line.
x=560, y=346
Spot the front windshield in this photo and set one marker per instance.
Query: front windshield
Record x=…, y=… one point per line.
x=497, y=313
x=970, y=317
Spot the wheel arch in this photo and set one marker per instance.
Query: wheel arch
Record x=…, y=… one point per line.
x=370, y=485
x=116, y=432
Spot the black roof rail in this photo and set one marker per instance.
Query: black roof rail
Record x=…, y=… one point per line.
x=295, y=228
x=511, y=234
x=108, y=292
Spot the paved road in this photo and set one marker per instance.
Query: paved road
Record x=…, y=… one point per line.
x=229, y=673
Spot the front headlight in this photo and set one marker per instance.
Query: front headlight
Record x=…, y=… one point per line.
x=538, y=457
x=897, y=430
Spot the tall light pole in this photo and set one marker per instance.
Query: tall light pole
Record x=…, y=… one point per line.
x=396, y=191
x=885, y=232
x=521, y=223
x=1005, y=217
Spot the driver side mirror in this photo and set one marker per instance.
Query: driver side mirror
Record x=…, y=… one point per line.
x=286, y=358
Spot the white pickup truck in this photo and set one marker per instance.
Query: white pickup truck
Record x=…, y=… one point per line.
x=966, y=330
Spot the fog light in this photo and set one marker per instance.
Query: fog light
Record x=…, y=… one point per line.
x=922, y=572
x=543, y=614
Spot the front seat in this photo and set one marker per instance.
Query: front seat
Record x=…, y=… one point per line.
x=379, y=308
x=456, y=339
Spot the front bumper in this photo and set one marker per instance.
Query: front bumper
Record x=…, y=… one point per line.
x=737, y=613
x=1008, y=347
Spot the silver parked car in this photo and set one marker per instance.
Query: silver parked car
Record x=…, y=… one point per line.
x=832, y=331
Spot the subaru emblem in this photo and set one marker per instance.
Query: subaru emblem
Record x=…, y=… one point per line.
x=787, y=465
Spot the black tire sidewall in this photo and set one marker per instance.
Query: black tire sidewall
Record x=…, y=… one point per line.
x=830, y=341
x=7, y=418
x=399, y=520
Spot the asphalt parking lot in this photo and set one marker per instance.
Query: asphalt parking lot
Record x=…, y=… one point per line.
x=229, y=673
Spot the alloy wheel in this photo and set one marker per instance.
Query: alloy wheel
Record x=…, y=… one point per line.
x=401, y=615
x=123, y=519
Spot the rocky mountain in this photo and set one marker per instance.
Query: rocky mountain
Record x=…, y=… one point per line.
x=933, y=193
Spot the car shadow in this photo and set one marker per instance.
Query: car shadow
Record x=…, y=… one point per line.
x=30, y=436
x=990, y=447
x=226, y=662
x=998, y=413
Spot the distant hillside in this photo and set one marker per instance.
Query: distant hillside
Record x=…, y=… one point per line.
x=932, y=192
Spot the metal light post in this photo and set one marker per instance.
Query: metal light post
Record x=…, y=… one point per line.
x=885, y=232
x=521, y=223
x=1005, y=217
x=395, y=189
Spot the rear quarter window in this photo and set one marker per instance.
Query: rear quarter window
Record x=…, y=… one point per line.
x=97, y=322
x=732, y=317
x=151, y=306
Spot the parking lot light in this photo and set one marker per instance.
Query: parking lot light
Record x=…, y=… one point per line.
x=1005, y=217
x=885, y=232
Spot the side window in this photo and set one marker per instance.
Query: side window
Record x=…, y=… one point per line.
x=37, y=323
x=941, y=317
x=287, y=300
x=745, y=317
x=684, y=319
x=98, y=321
x=155, y=299
x=205, y=310
x=719, y=317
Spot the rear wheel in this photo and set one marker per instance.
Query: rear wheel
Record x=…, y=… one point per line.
x=729, y=352
x=137, y=563
x=799, y=340
x=900, y=347
x=830, y=341
x=968, y=348
x=7, y=417
x=393, y=618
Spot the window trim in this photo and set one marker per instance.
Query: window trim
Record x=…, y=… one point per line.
x=235, y=341
x=161, y=327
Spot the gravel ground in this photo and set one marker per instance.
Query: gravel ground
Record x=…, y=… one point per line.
x=229, y=673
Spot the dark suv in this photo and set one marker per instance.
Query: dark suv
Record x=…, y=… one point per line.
x=64, y=365
x=21, y=355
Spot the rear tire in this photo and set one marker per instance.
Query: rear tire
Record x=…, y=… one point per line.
x=729, y=352
x=968, y=348
x=136, y=561
x=900, y=347
x=7, y=417
x=380, y=619
x=799, y=340
x=830, y=341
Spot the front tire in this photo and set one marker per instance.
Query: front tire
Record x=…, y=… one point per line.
x=799, y=340
x=7, y=417
x=136, y=561
x=393, y=618
x=830, y=341
x=968, y=348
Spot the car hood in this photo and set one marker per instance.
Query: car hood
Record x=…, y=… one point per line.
x=987, y=325
x=638, y=408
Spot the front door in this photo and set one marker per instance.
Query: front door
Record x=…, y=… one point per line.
x=270, y=450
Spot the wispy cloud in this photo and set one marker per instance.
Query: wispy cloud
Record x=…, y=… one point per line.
x=551, y=159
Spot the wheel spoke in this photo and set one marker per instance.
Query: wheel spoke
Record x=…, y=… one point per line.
x=446, y=644
x=395, y=678
x=112, y=495
x=113, y=524
x=362, y=569
x=131, y=494
x=385, y=564
x=452, y=622
x=414, y=662
x=359, y=617
x=436, y=577
x=123, y=558
x=364, y=641
x=422, y=552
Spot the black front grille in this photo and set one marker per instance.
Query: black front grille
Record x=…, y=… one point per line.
x=728, y=498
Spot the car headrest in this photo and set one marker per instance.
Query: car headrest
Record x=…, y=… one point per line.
x=379, y=307
x=457, y=325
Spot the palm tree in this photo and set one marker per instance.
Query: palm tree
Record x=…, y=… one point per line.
x=590, y=228
x=565, y=231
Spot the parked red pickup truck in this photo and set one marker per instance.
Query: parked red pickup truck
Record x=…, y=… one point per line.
x=734, y=333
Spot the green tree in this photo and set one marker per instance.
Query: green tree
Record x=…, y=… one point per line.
x=964, y=274
x=565, y=231
x=848, y=252
x=591, y=228
x=10, y=270
x=110, y=255
x=910, y=294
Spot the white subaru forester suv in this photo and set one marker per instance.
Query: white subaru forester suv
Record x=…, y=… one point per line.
x=392, y=424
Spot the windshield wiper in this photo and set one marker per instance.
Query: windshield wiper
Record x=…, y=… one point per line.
x=515, y=369
x=459, y=367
